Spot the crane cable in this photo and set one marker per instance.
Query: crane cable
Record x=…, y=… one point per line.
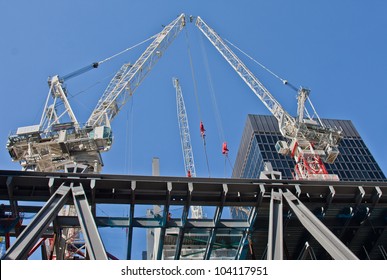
x=202, y=130
x=129, y=139
x=284, y=81
x=127, y=49
x=216, y=108
x=71, y=96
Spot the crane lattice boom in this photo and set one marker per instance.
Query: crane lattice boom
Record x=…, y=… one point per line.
x=185, y=137
x=189, y=164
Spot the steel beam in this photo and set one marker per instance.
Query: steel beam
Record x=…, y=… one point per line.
x=251, y=221
x=275, y=234
x=12, y=201
x=184, y=217
x=94, y=245
x=31, y=234
x=320, y=232
x=164, y=221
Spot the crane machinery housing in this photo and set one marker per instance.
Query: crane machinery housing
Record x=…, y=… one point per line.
x=59, y=139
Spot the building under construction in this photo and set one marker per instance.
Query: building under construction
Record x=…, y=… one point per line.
x=305, y=188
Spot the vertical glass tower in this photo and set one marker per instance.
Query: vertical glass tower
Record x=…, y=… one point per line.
x=355, y=162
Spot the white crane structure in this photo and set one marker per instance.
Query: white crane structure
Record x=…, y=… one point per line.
x=189, y=163
x=59, y=139
x=310, y=142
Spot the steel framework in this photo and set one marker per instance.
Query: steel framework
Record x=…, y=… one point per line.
x=287, y=219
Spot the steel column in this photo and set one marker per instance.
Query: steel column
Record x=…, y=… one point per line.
x=184, y=217
x=12, y=201
x=251, y=221
x=218, y=214
x=275, y=234
x=131, y=217
x=164, y=222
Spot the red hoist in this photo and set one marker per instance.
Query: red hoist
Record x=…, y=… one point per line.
x=308, y=140
x=224, y=148
x=202, y=130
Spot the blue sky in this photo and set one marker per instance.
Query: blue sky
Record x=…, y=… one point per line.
x=335, y=48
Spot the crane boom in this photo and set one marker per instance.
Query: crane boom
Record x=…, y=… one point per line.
x=255, y=85
x=126, y=81
x=185, y=137
x=189, y=164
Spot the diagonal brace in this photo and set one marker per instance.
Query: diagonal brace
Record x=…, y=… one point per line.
x=320, y=232
x=95, y=248
x=31, y=234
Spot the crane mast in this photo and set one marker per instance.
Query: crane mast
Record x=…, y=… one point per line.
x=189, y=164
x=310, y=142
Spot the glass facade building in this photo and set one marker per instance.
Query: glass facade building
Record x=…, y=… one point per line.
x=261, y=132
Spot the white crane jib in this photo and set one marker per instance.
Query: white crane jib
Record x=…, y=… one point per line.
x=185, y=138
x=310, y=141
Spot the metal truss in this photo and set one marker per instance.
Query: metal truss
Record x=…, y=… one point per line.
x=286, y=219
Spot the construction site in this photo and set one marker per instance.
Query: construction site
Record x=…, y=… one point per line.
x=293, y=186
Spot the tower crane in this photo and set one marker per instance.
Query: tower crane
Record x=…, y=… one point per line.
x=309, y=141
x=189, y=164
x=59, y=139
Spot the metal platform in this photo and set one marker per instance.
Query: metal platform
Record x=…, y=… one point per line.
x=286, y=219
